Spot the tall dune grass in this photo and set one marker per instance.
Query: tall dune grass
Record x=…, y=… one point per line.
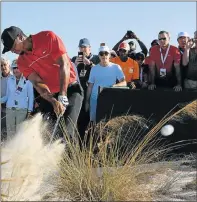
x=106, y=168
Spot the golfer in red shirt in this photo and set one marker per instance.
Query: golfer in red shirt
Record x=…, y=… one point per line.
x=44, y=61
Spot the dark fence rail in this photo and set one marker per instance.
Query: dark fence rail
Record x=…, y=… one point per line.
x=152, y=105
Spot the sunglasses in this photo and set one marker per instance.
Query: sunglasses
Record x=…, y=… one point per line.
x=122, y=50
x=162, y=39
x=103, y=53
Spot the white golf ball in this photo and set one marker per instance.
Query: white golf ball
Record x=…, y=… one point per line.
x=167, y=130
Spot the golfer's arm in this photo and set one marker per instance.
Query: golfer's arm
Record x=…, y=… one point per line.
x=64, y=64
x=89, y=91
x=41, y=88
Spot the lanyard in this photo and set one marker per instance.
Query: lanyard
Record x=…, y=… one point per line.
x=163, y=59
x=20, y=85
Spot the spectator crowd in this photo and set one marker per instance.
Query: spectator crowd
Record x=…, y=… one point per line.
x=162, y=66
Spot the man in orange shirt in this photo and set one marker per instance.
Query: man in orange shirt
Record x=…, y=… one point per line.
x=129, y=66
x=165, y=64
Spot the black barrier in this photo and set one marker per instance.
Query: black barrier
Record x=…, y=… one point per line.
x=152, y=105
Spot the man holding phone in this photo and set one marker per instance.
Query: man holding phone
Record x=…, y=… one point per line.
x=84, y=63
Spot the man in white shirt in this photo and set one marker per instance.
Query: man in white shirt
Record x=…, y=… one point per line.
x=5, y=73
x=19, y=100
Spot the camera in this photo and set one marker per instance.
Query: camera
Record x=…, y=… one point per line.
x=130, y=33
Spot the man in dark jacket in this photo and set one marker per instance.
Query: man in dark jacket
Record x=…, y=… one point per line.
x=84, y=63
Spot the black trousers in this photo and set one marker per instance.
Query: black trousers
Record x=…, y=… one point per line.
x=68, y=123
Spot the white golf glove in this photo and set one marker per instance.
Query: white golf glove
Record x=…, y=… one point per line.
x=64, y=100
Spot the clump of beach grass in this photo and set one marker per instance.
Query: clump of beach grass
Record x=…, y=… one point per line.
x=109, y=165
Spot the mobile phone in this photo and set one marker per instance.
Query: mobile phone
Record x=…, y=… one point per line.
x=80, y=54
x=102, y=44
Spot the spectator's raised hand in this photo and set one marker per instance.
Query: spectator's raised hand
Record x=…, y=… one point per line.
x=177, y=88
x=144, y=85
x=78, y=60
x=151, y=87
x=189, y=43
x=86, y=61
x=134, y=36
x=125, y=37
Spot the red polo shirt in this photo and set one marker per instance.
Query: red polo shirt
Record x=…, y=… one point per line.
x=172, y=57
x=47, y=48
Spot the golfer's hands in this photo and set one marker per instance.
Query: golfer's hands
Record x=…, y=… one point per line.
x=60, y=105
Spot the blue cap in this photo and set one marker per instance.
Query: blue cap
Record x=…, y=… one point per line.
x=84, y=42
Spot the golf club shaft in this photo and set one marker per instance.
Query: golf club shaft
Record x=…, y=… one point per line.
x=55, y=129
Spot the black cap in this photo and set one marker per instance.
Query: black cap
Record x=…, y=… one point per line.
x=8, y=36
x=154, y=42
x=140, y=55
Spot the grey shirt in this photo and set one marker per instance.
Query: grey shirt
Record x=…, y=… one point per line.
x=4, y=88
x=192, y=65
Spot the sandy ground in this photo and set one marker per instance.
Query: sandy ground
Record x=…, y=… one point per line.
x=172, y=181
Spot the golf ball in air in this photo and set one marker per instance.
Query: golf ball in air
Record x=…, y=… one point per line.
x=167, y=130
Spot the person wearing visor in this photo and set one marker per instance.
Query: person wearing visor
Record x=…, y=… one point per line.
x=182, y=39
x=44, y=61
x=19, y=100
x=129, y=66
x=104, y=74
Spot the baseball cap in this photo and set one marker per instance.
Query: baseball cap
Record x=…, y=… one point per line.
x=84, y=42
x=180, y=34
x=155, y=41
x=104, y=48
x=8, y=36
x=140, y=55
x=14, y=64
x=124, y=46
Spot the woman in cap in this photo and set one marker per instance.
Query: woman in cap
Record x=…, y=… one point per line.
x=104, y=74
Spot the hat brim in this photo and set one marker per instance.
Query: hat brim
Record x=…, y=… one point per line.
x=5, y=50
x=86, y=45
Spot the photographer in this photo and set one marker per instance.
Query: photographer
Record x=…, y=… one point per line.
x=132, y=52
x=84, y=62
